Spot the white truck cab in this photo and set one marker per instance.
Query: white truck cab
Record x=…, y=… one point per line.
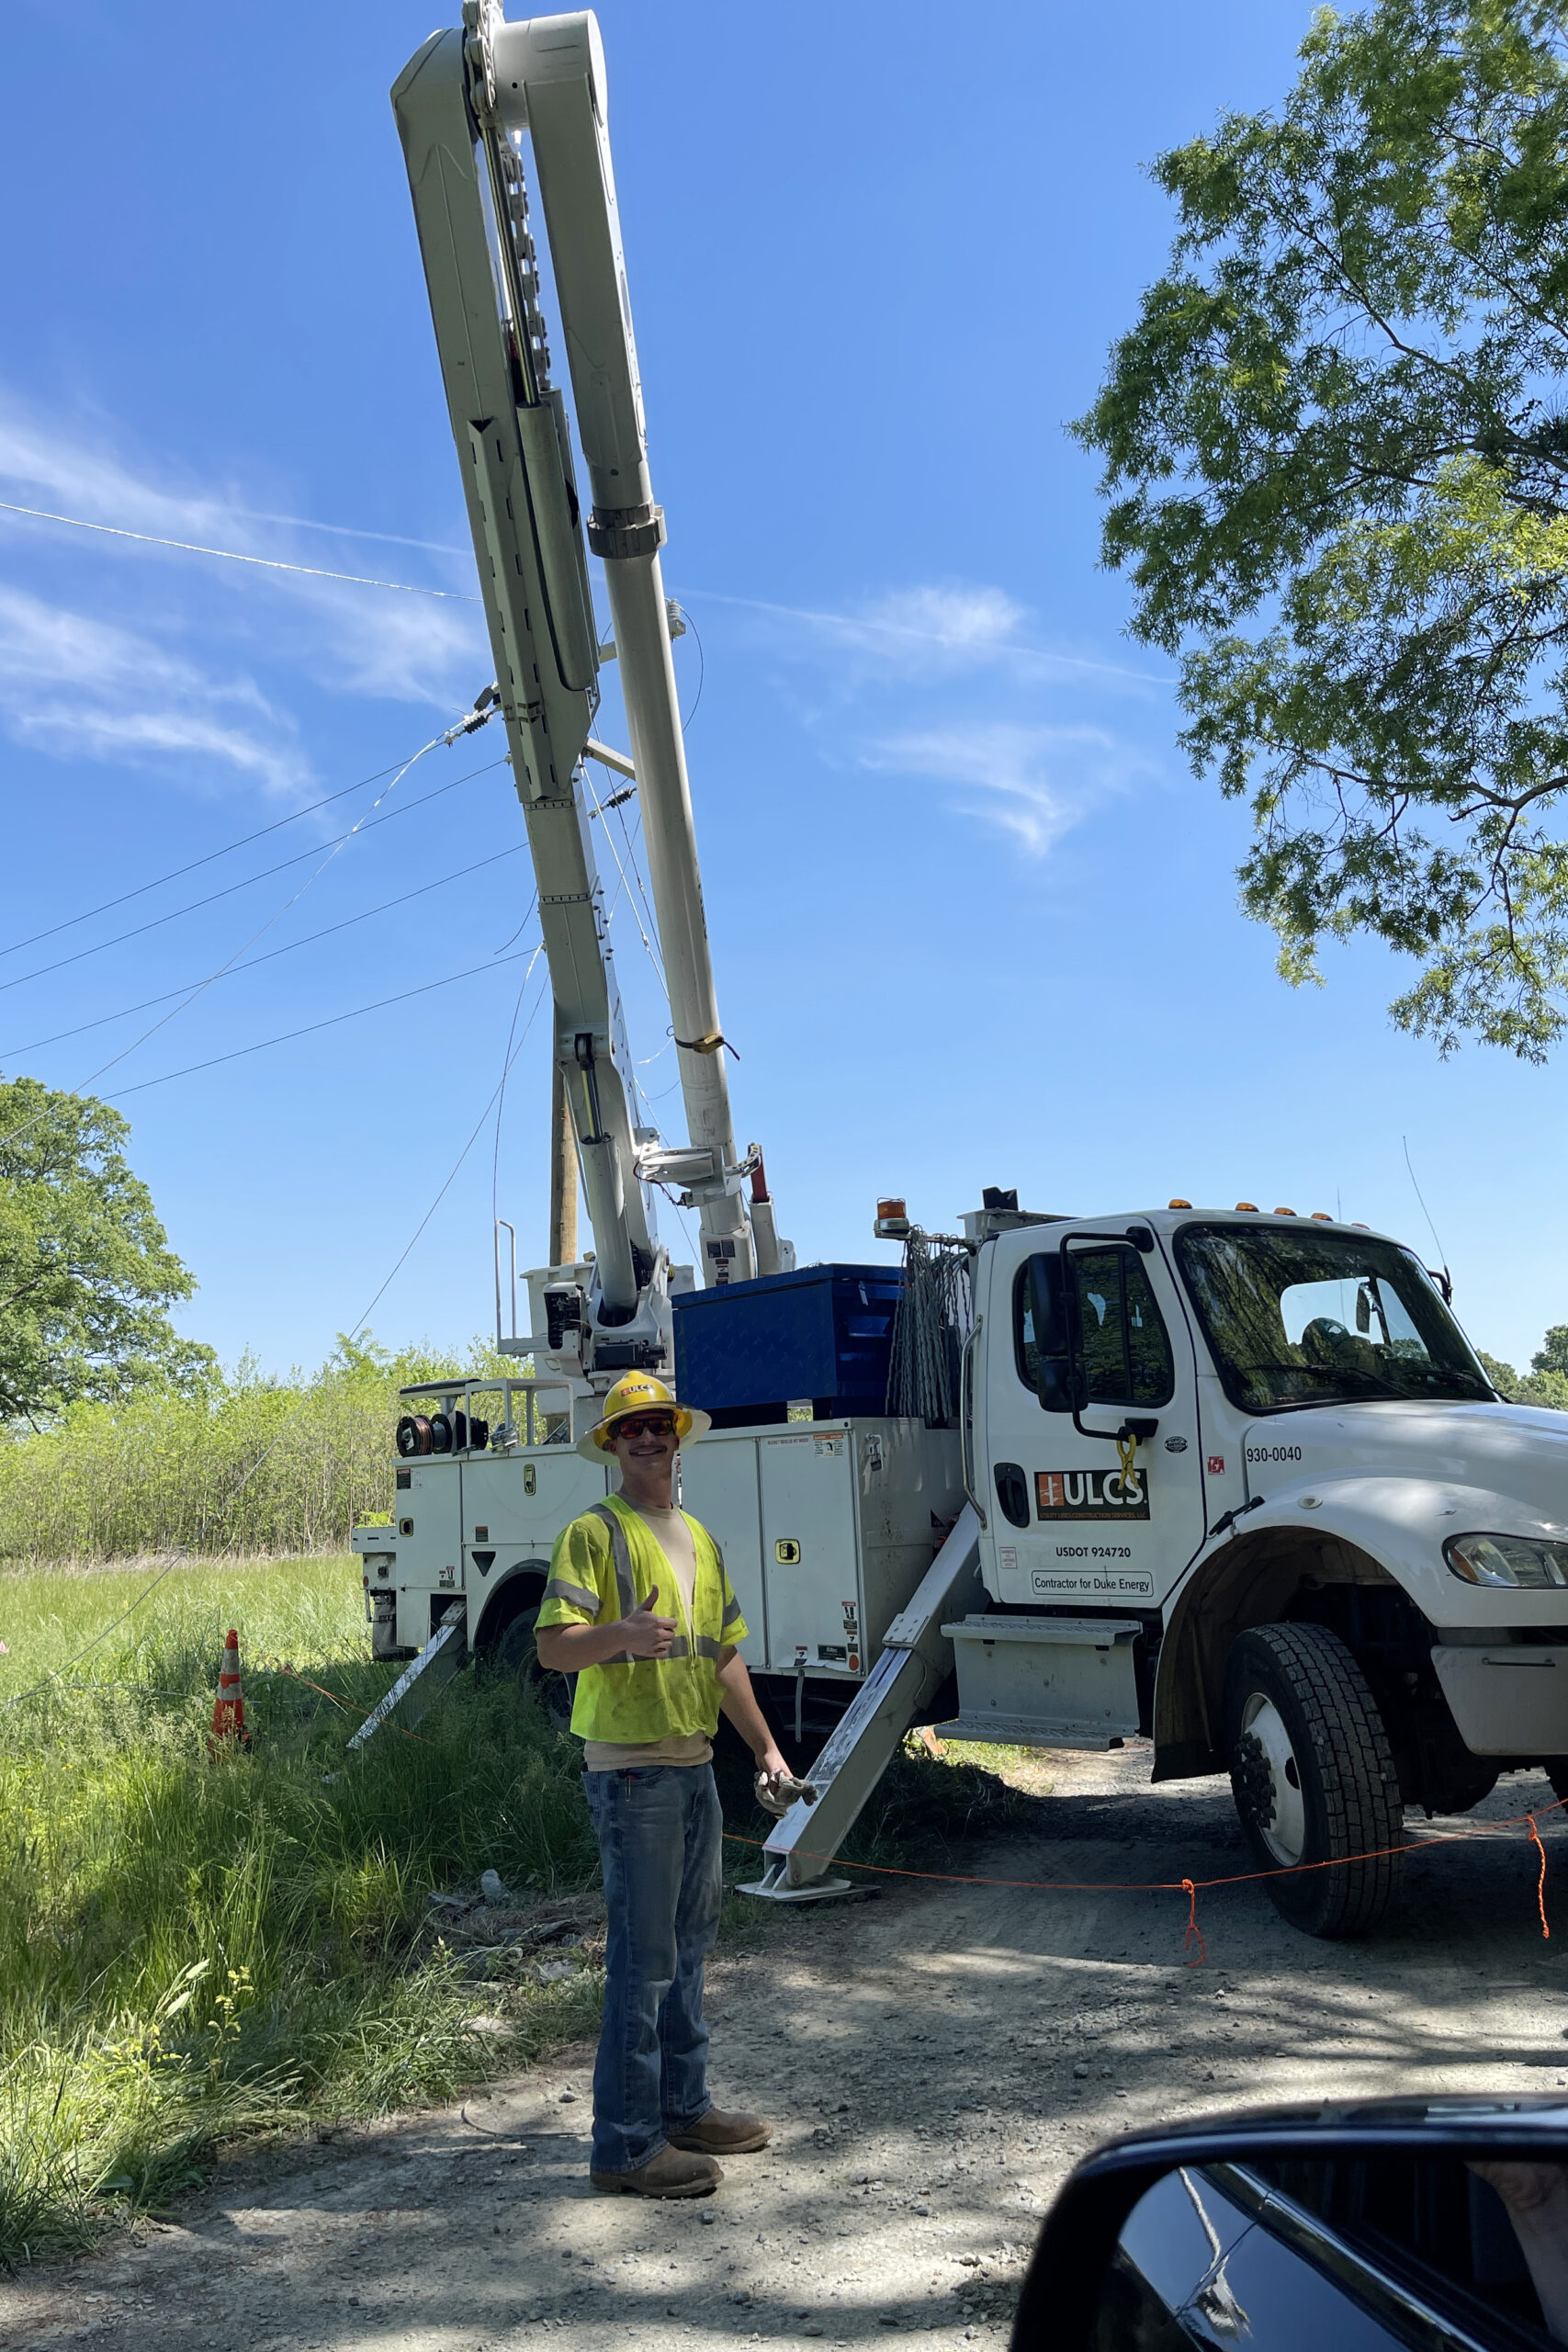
x=1244, y=1487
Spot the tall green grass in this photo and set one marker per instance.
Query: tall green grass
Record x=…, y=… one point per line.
x=246, y=1463
x=191, y=1947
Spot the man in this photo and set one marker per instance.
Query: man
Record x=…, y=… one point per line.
x=638, y=1607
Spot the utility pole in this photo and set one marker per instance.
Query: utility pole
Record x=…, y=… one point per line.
x=563, y=1175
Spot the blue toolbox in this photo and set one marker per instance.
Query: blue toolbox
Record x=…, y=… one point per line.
x=823, y=1334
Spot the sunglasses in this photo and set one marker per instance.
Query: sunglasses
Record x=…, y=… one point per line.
x=646, y=1425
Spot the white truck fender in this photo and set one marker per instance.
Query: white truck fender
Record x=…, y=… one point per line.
x=1402, y=1523
x=1399, y=1525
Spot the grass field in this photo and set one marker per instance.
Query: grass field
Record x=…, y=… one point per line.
x=192, y=1949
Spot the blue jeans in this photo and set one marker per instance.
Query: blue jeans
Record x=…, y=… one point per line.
x=659, y=1827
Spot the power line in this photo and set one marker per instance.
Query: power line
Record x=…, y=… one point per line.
x=278, y=1434
x=229, y=555
x=642, y=886
x=309, y=1030
x=499, y=1113
x=647, y=944
x=273, y=953
x=175, y=873
x=350, y=531
x=474, y=1137
x=368, y=825
x=276, y=916
x=362, y=1321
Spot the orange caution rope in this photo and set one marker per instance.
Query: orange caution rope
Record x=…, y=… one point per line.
x=1192, y=1927
x=1540, y=1884
x=1192, y=1887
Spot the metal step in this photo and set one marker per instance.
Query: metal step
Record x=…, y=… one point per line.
x=1045, y=1681
x=915, y=1659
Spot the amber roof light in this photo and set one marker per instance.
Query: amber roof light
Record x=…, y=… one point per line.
x=1320, y=1216
x=1179, y=1204
x=1251, y=1206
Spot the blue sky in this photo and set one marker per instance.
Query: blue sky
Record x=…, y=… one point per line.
x=973, y=923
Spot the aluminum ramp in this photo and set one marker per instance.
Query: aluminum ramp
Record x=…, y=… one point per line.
x=914, y=1661
x=422, y=1680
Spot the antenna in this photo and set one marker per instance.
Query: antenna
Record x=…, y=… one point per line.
x=1448, y=1283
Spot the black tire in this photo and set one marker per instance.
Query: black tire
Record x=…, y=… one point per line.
x=516, y=1654
x=1313, y=1777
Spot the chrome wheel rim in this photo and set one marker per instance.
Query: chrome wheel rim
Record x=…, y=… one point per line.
x=1284, y=1832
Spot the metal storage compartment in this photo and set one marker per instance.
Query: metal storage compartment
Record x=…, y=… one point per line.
x=826, y=1529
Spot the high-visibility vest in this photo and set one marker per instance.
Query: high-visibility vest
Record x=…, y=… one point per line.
x=604, y=1566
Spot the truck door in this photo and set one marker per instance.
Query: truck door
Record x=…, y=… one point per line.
x=1066, y=1524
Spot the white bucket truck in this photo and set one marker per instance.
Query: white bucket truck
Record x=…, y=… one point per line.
x=1229, y=1483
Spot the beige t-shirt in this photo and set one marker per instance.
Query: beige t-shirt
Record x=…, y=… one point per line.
x=673, y=1537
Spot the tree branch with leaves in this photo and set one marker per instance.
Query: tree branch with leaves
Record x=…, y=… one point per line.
x=1336, y=455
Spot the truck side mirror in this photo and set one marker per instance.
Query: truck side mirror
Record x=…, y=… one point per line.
x=1057, y=1379
x=1174, y=2235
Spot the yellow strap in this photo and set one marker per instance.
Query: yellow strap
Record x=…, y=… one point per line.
x=1127, y=1448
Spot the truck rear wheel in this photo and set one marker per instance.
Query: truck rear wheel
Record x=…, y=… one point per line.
x=516, y=1653
x=1313, y=1777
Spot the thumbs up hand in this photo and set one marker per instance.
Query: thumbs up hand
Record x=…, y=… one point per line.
x=646, y=1634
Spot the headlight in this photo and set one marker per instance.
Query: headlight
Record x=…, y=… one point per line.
x=1520, y=1561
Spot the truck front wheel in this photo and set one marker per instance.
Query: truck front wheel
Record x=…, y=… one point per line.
x=1313, y=1777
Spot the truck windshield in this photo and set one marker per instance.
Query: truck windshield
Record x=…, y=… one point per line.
x=1322, y=1318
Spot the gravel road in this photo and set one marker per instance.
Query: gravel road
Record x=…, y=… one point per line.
x=935, y=2059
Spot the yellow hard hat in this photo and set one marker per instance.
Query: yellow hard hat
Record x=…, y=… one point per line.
x=639, y=1391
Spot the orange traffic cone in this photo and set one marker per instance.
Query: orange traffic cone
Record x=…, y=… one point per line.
x=229, y=1707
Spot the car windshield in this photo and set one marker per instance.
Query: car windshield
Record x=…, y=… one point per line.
x=1322, y=1318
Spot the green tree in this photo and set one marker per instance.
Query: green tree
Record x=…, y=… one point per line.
x=86, y=1273
x=1546, y=1382
x=1335, y=452
x=1552, y=1353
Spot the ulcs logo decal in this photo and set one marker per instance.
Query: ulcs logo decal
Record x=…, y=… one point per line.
x=1091, y=1494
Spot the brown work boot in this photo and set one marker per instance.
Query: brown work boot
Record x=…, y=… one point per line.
x=669, y=2173
x=718, y=2134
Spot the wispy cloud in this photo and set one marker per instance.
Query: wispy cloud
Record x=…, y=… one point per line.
x=70, y=683
x=159, y=661
x=942, y=629
x=1031, y=782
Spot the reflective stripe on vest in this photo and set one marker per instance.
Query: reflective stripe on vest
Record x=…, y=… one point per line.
x=626, y=1583
x=578, y=1595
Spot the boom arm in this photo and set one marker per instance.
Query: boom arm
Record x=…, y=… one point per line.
x=510, y=429
x=550, y=79
x=459, y=103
